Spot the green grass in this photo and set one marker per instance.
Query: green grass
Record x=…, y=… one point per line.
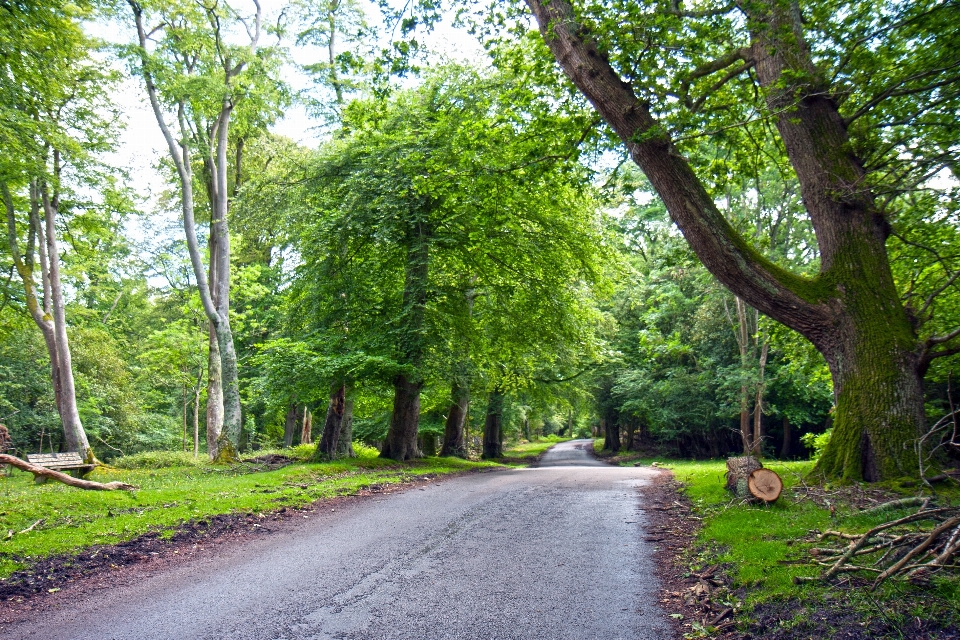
x=761, y=544
x=527, y=451
x=74, y=519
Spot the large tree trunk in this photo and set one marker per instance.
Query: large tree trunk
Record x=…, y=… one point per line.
x=215, y=293
x=345, y=442
x=401, y=440
x=453, y=429
x=493, y=426
x=214, y=395
x=333, y=425
x=852, y=311
x=74, y=434
x=306, y=431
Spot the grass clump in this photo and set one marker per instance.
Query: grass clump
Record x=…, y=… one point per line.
x=160, y=460
x=524, y=451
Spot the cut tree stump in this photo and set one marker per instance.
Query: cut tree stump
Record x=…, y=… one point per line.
x=738, y=470
x=765, y=485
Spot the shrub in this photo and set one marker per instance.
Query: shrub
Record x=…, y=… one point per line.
x=159, y=460
x=817, y=442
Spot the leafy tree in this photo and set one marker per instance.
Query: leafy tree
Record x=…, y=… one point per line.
x=862, y=107
x=191, y=68
x=434, y=193
x=52, y=94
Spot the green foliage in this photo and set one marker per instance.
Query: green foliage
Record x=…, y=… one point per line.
x=816, y=442
x=159, y=460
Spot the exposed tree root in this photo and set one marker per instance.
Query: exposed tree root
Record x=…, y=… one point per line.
x=64, y=478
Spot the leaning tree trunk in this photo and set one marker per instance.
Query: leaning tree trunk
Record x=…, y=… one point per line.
x=493, y=426
x=851, y=311
x=49, y=315
x=453, y=444
x=401, y=440
x=333, y=425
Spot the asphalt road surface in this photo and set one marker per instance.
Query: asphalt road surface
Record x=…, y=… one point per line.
x=551, y=552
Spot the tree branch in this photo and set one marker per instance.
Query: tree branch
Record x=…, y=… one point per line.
x=724, y=252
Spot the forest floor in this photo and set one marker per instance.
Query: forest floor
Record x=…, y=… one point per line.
x=52, y=534
x=727, y=568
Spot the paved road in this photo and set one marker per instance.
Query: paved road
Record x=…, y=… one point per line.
x=552, y=552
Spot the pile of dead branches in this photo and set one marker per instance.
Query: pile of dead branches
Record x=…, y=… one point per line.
x=912, y=547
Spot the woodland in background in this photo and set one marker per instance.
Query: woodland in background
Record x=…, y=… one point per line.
x=468, y=257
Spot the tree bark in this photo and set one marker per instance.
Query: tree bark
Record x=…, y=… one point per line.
x=401, y=440
x=345, y=442
x=214, y=295
x=214, y=395
x=48, y=314
x=74, y=434
x=785, y=447
x=306, y=435
x=851, y=312
x=453, y=444
x=493, y=426
x=333, y=425
x=290, y=425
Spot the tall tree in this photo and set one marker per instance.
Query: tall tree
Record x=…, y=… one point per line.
x=52, y=100
x=844, y=153
x=191, y=68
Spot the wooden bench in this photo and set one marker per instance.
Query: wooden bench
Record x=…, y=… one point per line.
x=67, y=461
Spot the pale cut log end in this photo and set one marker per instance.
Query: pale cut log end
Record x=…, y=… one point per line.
x=765, y=485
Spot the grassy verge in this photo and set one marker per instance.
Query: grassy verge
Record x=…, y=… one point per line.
x=764, y=547
x=174, y=491
x=526, y=452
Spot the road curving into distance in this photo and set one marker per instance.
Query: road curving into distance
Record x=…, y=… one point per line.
x=552, y=552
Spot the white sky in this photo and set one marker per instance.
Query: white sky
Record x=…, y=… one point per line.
x=141, y=145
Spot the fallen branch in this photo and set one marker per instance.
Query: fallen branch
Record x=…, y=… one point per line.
x=894, y=504
x=33, y=526
x=887, y=551
x=64, y=478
